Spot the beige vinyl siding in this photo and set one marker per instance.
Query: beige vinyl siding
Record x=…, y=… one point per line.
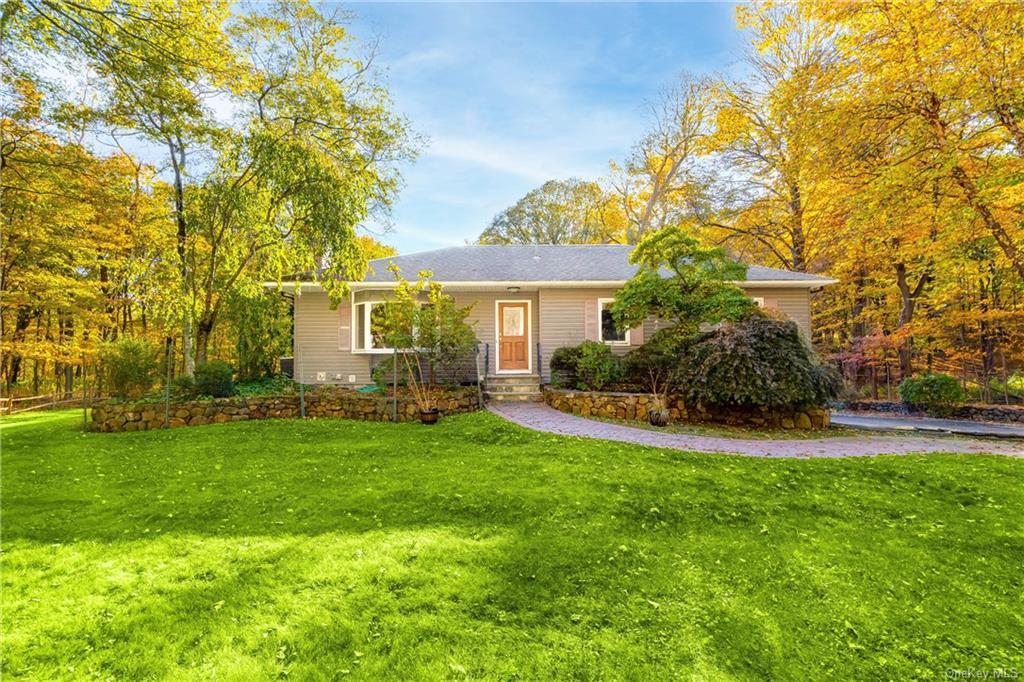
x=317, y=343
x=557, y=318
x=793, y=302
x=483, y=318
x=563, y=322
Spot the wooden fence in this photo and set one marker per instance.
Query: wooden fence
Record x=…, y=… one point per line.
x=41, y=402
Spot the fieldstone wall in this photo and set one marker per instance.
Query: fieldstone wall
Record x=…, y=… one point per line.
x=327, y=402
x=636, y=405
x=985, y=413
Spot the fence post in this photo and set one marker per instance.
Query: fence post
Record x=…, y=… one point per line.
x=394, y=386
x=85, y=396
x=479, y=377
x=302, y=384
x=168, y=354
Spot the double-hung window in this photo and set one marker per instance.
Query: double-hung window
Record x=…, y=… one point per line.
x=608, y=332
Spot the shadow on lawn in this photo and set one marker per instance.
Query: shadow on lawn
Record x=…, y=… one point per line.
x=259, y=547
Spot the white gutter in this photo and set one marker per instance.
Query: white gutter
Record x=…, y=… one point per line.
x=561, y=284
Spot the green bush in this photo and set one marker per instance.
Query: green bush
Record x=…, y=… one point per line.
x=563, y=365
x=262, y=324
x=758, y=361
x=653, y=365
x=596, y=367
x=130, y=367
x=183, y=388
x=276, y=385
x=936, y=393
x=589, y=366
x=214, y=379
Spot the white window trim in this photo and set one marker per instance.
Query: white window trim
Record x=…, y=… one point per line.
x=367, y=337
x=600, y=326
x=529, y=336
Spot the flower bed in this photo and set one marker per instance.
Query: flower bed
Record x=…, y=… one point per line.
x=326, y=402
x=635, y=406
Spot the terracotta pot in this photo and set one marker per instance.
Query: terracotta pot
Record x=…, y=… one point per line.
x=658, y=417
x=430, y=416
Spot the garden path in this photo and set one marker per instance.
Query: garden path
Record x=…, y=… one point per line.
x=540, y=417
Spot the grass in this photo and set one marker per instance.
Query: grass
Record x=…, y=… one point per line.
x=477, y=549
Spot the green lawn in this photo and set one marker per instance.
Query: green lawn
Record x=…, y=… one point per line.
x=477, y=549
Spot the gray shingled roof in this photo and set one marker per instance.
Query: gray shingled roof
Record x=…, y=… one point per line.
x=539, y=263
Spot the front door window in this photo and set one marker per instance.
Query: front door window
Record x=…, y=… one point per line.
x=513, y=337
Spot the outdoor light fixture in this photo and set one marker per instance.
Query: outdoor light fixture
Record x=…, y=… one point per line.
x=512, y=290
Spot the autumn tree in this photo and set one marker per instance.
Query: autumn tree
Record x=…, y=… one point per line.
x=315, y=155
x=938, y=86
x=156, y=67
x=303, y=148
x=662, y=181
x=79, y=234
x=558, y=212
x=775, y=200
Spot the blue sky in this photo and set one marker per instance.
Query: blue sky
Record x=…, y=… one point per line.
x=510, y=95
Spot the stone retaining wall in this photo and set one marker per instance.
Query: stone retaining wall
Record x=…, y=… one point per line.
x=329, y=402
x=636, y=405
x=985, y=413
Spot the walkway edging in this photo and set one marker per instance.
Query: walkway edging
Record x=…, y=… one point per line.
x=540, y=417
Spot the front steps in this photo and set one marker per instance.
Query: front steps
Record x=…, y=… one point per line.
x=512, y=388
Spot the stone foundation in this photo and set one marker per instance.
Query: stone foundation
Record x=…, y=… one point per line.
x=636, y=405
x=328, y=402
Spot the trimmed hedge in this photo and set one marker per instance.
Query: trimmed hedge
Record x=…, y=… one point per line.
x=758, y=361
x=215, y=378
x=589, y=366
x=937, y=394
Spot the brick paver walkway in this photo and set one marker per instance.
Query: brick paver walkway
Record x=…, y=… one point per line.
x=540, y=417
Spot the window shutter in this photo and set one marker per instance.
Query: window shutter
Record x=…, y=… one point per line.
x=636, y=335
x=591, y=320
x=345, y=326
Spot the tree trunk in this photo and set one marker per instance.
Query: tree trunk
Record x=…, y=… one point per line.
x=1002, y=237
x=798, y=248
x=20, y=327
x=203, y=332
x=908, y=301
x=69, y=381
x=177, y=151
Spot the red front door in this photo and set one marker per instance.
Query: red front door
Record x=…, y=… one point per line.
x=512, y=336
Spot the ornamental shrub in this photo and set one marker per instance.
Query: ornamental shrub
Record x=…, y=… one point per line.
x=589, y=366
x=563, y=365
x=130, y=367
x=758, y=361
x=183, y=388
x=653, y=365
x=215, y=379
x=936, y=393
x=596, y=367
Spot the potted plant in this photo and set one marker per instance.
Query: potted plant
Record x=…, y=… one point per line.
x=422, y=392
